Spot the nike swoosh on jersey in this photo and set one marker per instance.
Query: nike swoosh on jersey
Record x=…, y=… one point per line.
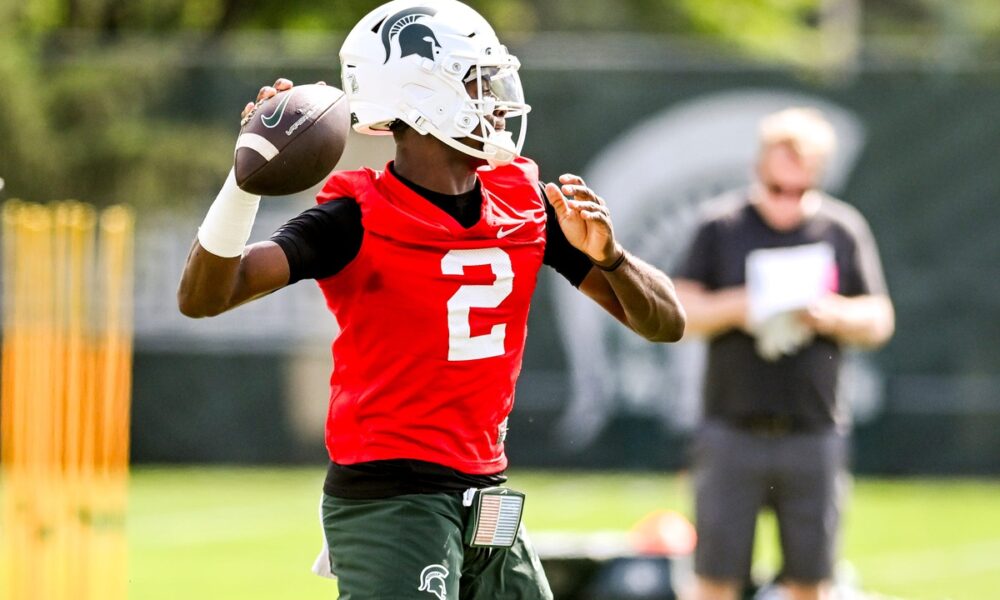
x=502, y=233
x=274, y=118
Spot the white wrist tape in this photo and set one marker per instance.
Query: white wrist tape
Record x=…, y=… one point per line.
x=226, y=227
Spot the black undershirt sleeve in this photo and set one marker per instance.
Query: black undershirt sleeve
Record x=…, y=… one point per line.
x=321, y=240
x=559, y=253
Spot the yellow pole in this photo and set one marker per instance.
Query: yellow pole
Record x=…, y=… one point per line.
x=64, y=401
x=13, y=375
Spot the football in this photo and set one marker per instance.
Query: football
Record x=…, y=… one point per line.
x=292, y=140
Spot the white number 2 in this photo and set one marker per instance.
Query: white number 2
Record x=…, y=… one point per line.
x=462, y=345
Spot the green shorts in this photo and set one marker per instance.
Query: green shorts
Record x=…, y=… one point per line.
x=411, y=547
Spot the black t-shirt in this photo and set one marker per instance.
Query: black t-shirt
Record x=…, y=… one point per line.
x=739, y=384
x=324, y=239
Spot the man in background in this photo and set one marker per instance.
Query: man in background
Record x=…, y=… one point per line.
x=779, y=278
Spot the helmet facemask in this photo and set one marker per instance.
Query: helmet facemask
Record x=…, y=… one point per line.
x=492, y=123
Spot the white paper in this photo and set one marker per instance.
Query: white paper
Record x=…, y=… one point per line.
x=787, y=279
x=781, y=281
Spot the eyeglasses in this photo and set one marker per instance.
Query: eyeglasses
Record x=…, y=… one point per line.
x=781, y=191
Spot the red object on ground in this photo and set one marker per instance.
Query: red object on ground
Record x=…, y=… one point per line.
x=664, y=532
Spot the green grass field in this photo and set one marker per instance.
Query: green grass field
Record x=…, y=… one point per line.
x=248, y=534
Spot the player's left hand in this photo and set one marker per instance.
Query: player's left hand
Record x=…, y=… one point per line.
x=584, y=219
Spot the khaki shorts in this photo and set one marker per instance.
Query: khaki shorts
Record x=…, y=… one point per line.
x=411, y=547
x=801, y=476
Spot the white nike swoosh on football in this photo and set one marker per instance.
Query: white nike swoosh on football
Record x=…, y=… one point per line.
x=502, y=233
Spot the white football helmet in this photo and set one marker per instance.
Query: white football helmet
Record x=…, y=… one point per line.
x=411, y=60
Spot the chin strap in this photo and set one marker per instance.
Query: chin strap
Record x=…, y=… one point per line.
x=498, y=150
x=501, y=151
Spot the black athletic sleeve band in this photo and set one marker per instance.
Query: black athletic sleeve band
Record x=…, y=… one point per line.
x=559, y=253
x=321, y=240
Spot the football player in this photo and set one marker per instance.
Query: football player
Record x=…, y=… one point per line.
x=429, y=266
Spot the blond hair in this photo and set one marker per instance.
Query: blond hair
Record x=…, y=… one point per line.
x=805, y=130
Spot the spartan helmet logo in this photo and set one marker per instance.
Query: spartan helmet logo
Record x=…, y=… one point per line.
x=432, y=581
x=414, y=38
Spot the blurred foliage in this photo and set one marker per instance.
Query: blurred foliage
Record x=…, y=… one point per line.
x=77, y=126
x=771, y=28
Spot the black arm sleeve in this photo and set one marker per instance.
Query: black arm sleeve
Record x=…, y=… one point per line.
x=321, y=240
x=560, y=254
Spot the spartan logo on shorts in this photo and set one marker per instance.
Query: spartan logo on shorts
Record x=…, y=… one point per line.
x=433, y=581
x=413, y=37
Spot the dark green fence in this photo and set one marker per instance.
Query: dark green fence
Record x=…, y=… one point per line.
x=925, y=172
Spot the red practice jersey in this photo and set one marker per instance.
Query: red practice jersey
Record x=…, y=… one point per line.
x=433, y=319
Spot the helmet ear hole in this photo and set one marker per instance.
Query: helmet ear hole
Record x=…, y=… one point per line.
x=465, y=122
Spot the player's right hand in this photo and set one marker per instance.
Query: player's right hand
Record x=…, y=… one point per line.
x=280, y=85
